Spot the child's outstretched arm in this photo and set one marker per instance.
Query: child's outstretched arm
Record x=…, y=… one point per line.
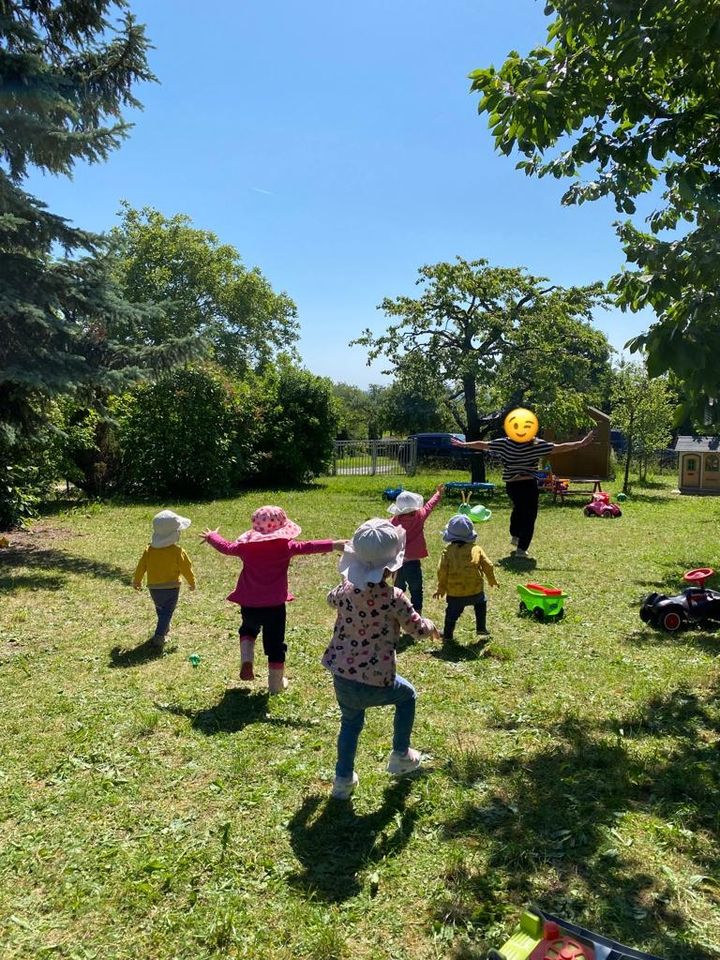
x=410, y=620
x=301, y=547
x=140, y=571
x=221, y=544
x=433, y=501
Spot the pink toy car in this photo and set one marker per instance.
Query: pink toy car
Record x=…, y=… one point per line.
x=600, y=506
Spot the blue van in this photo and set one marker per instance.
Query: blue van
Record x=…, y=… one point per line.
x=430, y=445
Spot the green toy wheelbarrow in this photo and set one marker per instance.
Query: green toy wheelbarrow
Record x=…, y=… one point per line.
x=544, y=603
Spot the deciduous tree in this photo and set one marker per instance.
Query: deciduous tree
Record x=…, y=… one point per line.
x=623, y=99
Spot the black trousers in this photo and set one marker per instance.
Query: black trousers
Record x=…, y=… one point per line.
x=525, y=496
x=456, y=605
x=271, y=620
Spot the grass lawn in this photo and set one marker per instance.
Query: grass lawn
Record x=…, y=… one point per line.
x=149, y=809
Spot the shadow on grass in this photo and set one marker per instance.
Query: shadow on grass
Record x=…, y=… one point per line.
x=237, y=709
x=672, y=582
x=454, y=652
x=334, y=844
x=553, y=822
x=517, y=564
x=696, y=636
x=135, y=656
x=48, y=565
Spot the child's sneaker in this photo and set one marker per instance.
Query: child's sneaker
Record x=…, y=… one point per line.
x=343, y=787
x=401, y=763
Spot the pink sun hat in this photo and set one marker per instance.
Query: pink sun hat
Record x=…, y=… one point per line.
x=270, y=523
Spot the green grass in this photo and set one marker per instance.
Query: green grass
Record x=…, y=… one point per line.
x=149, y=809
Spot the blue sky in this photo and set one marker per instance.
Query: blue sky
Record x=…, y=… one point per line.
x=338, y=148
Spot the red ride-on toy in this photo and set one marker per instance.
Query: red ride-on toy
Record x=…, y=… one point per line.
x=600, y=506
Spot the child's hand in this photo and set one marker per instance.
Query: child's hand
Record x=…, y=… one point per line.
x=339, y=544
x=436, y=635
x=440, y=488
x=192, y=588
x=207, y=532
x=437, y=595
x=494, y=583
x=137, y=587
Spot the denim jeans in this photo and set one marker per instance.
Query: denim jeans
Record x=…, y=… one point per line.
x=409, y=577
x=353, y=699
x=455, y=607
x=165, y=601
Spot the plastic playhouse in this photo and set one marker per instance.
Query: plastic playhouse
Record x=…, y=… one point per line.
x=541, y=936
x=544, y=603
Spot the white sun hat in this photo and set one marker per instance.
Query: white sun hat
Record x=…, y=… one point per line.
x=406, y=502
x=376, y=546
x=167, y=527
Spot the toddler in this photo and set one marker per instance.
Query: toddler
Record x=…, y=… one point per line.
x=460, y=575
x=164, y=562
x=262, y=588
x=410, y=514
x=361, y=656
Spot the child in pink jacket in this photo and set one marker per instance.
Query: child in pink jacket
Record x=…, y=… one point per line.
x=262, y=588
x=410, y=512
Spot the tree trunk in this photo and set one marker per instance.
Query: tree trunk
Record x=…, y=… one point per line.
x=477, y=460
x=628, y=456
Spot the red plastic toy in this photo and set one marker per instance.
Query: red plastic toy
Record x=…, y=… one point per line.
x=600, y=506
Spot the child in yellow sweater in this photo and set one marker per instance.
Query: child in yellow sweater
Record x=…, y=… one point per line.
x=460, y=575
x=164, y=562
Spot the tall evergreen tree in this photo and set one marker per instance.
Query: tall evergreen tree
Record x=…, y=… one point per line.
x=66, y=74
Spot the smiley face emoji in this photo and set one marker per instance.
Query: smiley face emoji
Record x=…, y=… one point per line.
x=521, y=425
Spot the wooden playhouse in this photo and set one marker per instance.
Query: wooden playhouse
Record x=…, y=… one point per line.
x=698, y=464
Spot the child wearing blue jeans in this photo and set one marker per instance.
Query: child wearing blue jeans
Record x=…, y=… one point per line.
x=371, y=614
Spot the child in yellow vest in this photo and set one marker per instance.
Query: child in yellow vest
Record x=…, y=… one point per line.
x=460, y=575
x=164, y=562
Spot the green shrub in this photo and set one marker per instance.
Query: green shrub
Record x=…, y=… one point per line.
x=296, y=416
x=178, y=436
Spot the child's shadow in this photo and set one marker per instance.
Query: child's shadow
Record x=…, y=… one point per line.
x=337, y=844
x=453, y=651
x=237, y=708
x=135, y=656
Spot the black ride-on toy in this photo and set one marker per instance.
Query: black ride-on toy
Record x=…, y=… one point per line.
x=696, y=604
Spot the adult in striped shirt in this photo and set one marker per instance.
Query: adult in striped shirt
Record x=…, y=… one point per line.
x=519, y=461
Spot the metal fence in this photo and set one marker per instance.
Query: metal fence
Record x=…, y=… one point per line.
x=373, y=457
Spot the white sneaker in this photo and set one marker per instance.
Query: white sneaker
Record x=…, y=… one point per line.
x=401, y=763
x=343, y=787
x=522, y=555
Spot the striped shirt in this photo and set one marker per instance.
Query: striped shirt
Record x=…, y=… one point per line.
x=519, y=459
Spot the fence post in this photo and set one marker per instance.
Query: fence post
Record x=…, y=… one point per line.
x=373, y=457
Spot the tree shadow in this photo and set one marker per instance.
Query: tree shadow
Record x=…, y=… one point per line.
x=237, y=709
x=558, y=809
x=52, y=560
x=334, y=844
x=122, y=657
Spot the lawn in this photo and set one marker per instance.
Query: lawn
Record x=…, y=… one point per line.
x=152, y=809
